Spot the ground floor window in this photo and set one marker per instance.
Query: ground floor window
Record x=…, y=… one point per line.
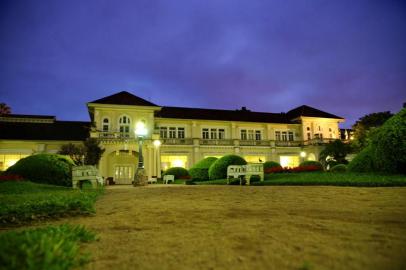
x=254, y=159
x=169, y=161
x=289, y=161
x=8, y=160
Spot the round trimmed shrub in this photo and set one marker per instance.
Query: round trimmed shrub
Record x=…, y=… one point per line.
x=200, y=171
x=389, y=145
x=363, y=162
x=311, y=165
x=339, y=168
x=272, y=166
x=218, y=170
x=178, y=172
x=45, y=168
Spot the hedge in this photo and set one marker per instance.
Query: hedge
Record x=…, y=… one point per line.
x=218, y=170
x=311, y=165
x=44, y=168
x=339, y=168
x=178, y=172
x=272, y=166
x=200, y=171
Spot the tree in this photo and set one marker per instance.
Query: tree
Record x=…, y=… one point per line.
x=365, y=125
x=4, y=109
x=335, y=152
x=75, y=152
x=93, y=151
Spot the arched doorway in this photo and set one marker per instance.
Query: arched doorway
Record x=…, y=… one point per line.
x=121, y=165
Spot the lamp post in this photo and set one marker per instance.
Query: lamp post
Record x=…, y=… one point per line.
x=139, y=176
x=303, y=155
x=157, y=144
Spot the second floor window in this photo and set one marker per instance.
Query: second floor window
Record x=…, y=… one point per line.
x=284, y=136
x=258, y=135
x=243, y=134
x=205, y=133
x=124, y=124
x=172, y=132
x=213, y=133
x=277, y=135
x=181, y=133
x=290, y=135
x=222, y=134
x=105, y=125
x=163, y=132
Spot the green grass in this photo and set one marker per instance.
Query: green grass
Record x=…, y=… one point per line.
x=335, y=179
x=22, y=202
x=52, y=248
x=324, y=179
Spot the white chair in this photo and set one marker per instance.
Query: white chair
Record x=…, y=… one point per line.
x=152, y=180
x=169, y=178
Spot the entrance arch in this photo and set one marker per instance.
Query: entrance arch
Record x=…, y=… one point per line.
x=121, y=165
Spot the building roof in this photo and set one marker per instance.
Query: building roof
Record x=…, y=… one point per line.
x=305, y=110
x=58, y=131
x=243, y=115
x=28, y=116
x=123, y=98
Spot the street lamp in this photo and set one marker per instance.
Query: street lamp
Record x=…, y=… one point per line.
x=303, y=155
x=140, y=132
x=157, y=144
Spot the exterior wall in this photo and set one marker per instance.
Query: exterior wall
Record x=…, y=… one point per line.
x=12, y=150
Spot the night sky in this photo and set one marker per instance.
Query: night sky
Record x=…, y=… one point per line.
x=344, y=57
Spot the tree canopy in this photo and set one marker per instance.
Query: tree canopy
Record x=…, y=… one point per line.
x=363, y=127
x=4, y=109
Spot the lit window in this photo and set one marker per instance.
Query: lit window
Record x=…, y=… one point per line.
x=309, y=137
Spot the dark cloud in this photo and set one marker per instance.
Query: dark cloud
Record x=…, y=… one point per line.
x=345, y=57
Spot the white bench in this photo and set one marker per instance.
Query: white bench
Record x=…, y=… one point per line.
x=169, y=178
x=152, y=180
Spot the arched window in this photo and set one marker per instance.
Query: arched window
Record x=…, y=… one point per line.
x=106, y=125
x=124, y=125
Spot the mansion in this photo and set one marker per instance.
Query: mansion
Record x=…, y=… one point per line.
x=174, y=136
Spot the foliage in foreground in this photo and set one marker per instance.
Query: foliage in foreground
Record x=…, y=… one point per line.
x=200, y=171
x=53, y=247
x=178, y=172
x=22, y=202
x=89, y=153
x=387, y=149
x=44, y=168
x=218, y=170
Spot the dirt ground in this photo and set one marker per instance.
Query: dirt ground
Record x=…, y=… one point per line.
x=233, y=227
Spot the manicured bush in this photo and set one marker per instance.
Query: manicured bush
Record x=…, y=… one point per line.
x=339, y=168
x=272, y=167
x=218, y=170
x=200, y=171
x=389, y=145
x=11, y=177
x=363, y=161
x=178, y=172
x=309, y=165
x=44, y=168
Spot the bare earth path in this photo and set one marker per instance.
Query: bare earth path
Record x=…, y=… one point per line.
x=232, y=227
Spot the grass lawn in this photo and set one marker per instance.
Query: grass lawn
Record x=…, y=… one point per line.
x=326, y=179
x=51, y=247
x=250, y=227
x=21, y=202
